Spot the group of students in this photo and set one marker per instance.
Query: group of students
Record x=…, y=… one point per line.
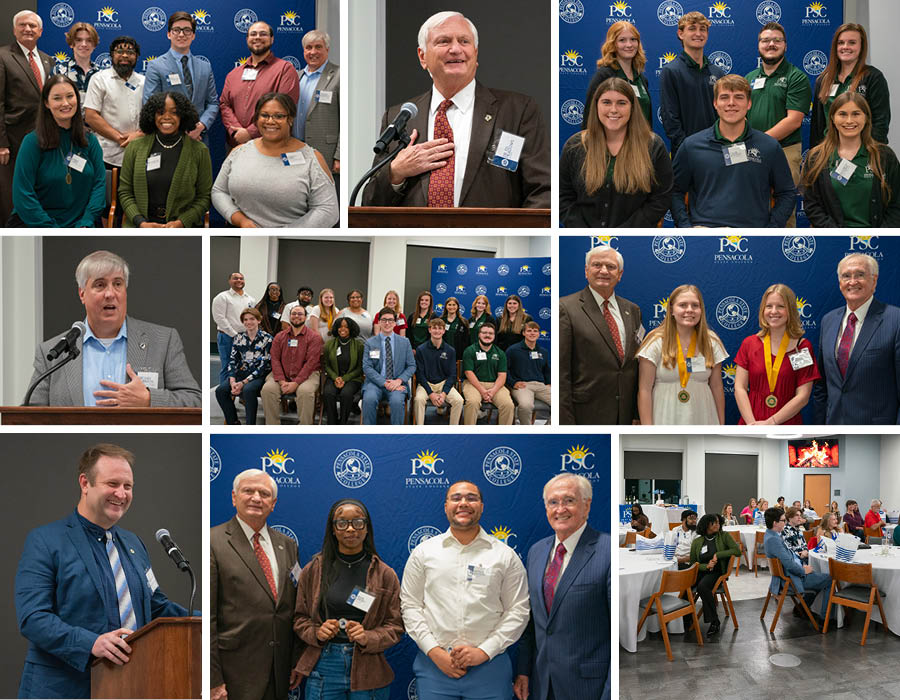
x=732, y=138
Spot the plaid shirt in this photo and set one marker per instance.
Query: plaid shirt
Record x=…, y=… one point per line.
x=793, y=539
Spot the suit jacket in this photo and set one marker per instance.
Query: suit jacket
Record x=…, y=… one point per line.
x=250, y=632
x=404, y=362
x=323, y=120
x=483, y=185
x=775, y=547
x=594, y=387
x=60, y=608
x=869, y=394
x=150, y=348
x=570, y=645
x=205, y=98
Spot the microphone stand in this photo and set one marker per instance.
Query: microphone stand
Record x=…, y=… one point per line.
x=193, y=588
x=403, y=138
x=73, y=353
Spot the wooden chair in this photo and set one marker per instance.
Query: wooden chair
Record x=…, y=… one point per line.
x=736, y=536
x=112, y=188
x=757, y=552
x=871, y=532
x=630, y=538
x=861, y=594
x=674, y=526
x=720, y=589
x=787, y=588
x=815, y=523
x=648, y=533
x=808, y=535
x=673, y=600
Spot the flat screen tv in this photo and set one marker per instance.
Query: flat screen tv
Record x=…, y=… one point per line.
x=814, y=453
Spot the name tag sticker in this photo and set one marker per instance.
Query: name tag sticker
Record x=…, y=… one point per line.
x=735, y=153
x=834, y=89
x=293, y=343
x=338, y=353
x=295, y=574
x=276, y=314
x=637, y=91
x=249, y=74
x=293, y=158
x=130, y=86
x=535, y=355
x=801, y=359
x=151, y=580
x=480, y=355
x=324, y=96
x=844, y=171
x=508, y=152
x=759, y=83
x=150, y=379
x=360, y=599
x=476, y=572
x=76, y=162
x=375, y=354
x=174, y=79
x=154, y=161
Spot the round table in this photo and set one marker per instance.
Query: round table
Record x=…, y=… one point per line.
x=885, y=573
x=748, y=539
x=660, y=518
x=639, y=578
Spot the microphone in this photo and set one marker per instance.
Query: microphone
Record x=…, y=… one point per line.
x=168, y=544
x=395, y=128
x=67, y=342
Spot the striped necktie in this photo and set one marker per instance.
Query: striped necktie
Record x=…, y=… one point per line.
x=123, y=595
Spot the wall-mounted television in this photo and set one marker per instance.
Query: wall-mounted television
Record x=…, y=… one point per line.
x=814, y=453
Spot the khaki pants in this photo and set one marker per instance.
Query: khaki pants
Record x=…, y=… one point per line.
x=421, y=401
x=525, y=399
x=306, y=399
x=793, y=153
x=502, y=401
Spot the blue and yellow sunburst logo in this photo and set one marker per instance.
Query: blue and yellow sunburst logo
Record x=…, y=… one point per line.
x=427, y=457
x=729, y=372
x=620, y=5
x=801, y=303
x=108, y=13
x=720, y=6
x=578, y=452
x=668, y=57
x=241, y=61
x=200, y=15
x=61, y=56
x=664, y=302
x=290, y=15
x=734, y=240
x=277, y=457
x=572, y=55
x=501, y=533
x=816, y=6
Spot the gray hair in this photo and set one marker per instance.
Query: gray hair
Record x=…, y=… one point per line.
x=313, y=35
x=247, y=473
x=604, y=249
x=440, y=18
x=98, y=264
x=871, y=263
x=874, y=501
x=22, y=13
x=584, y=486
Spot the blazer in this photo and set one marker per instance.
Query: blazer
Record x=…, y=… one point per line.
x=404, y=361
x=329, y=357
x=205, y=96
x=869, y=394
x=189, y=190
x=594, y=387
x=775, y=547
x=150, y=347
x=323, y=120
x=250, y=633
x=60, y=607
x=483, y=185
x=570, y=645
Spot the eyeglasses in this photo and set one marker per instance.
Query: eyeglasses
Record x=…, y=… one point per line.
x=568, y=502
x=252, y=35
x=848, y=276
x=343, y=524
x=777, y=42
x=468, y=498
x=386, y=320
x=278, y=117
x=182, y=31
x=125, y=52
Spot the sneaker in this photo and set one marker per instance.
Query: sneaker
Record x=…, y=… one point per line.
x=713, y=629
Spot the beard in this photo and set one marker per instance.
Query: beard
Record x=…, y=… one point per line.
x=260, y=50
x=771, y=61
x=123, y=70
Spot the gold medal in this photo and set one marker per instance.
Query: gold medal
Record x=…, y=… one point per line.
x=68, y=178
x=684, y=374
x=771, y=401
x=773, y=369
x=684, y=396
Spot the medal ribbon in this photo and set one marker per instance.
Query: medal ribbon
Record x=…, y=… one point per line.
x=683, y=374
x=772, y=372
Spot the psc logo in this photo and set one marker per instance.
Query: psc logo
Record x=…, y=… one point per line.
x=668, y=13
x=203, y=19
x=154, y=19
x=729, y=372
x=442, y=267
x=419, y=535
x=668, y=249
x=426, y=464
x=545, y=290
x=798, y=249
x=290, y=21
x=719, y=10
x=215, y=464
x=572, y=112
x=505, y=535
x=571, y=59
x=353, y=468
x=732, y=244
x=803, y=308
x=667, y=57
x=575, y=459
x=768, y=11
x=815, y=62
x=816, y=10
x=460, y=289
x=60, y=57
x=276, y=462
x=659, y=309
x=608, y=241
x=571, y=11
x=861, y=244
x=502, y=290
x=62, y=14
x=619, y=10
x=481, y=270
x=525, y=270
x=732, y=313
x=502, y=466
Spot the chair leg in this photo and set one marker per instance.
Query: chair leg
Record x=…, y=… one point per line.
x=644, y=616
x=662, y=628
x=881, y=610
x=862, y=642
x=726, y=596
x=828, y=611
x=755, y=568
x=799, y=599
x=778, y=609
x=697, y=626
x=762, y=615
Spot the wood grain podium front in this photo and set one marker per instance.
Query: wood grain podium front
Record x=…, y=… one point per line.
x=450, y=217
x=165, y=663
x=93, y=415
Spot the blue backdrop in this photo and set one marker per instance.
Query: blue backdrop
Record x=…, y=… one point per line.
x=496, y=278
x=732, y=272
x=402, y=482
x=732, y=44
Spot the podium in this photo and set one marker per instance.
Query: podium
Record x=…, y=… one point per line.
x=165, y=662
x=449, y=217
x=97, y=415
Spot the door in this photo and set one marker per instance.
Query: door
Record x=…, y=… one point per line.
x=817, y=488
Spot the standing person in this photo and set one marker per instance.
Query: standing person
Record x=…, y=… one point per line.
x=528, y=373
x=392, y=301
x=252, y=570
x=484, y=367
x=622, y=56
x=273, y=310
x=342, y=357
x=321, y=316
x=318, y=120
x=178, y=70
x=847, y=71
x=781, y=97
x=457, y=326
x=565, y=650
x=226, y=313
x=23, y=71
x=712, y=550
x=480, y=313
x=512, y=322
x=355, y=310
x=464, y=569
x=245, y=84
x=82, y=38
x=436, y=375
x=388, y=364
x=84, y=584
x=598, y=338
x=247, y=369
x=304, y=298
x=419, y=321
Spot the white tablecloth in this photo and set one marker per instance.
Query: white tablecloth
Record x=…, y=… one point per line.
x=886, y=574
x=661, y=517
x=639, y=577
x=748, y=538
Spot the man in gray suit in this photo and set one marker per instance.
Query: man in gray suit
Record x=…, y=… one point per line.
x=123, y=361
x=318, y=121
x=253, y=573
x=599, y=334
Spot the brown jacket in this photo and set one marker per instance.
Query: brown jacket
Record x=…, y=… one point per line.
x=383, y=624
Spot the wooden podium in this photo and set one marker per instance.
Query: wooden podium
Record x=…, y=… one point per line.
x=165, y=663
x=96, y=415
x=451, y=217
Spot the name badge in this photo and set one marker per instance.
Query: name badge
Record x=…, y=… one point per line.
x=375, y=354
x=295, y=574
x=637, y=91
x=130, y=86
x=476, y=572
x=154, y=161
x=360, y=599
x=323, y=96
x=338, y=353
x=76, y=162
x=759, y=83
x=249, y=73
x=480, y=355
x=151, y=580
x=150, y=379
x=509, y=150
x=293, y=342
x=174, y=79
x=735, y=153
x=276, y=314
x=293, y=158
x=834, y=89
x=535, y=355
x=844, y=171
x=801, y=359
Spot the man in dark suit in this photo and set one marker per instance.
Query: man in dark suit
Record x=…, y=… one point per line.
x=23, y=72
x=253, y=575
x=599, y=334
x=564, y=653
x=503, y=154
x=859, y=352
x=83, y=583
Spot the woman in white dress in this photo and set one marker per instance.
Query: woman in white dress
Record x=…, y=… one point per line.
x=680, y=379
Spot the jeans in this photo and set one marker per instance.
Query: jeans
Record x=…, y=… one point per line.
x=330, y=679
x=372, y=394
x=250, y=394
x=224, y=342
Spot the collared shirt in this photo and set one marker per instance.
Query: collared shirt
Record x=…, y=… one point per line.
x=102, y=359
x=793, y=539
x=226, y=311
x=37, y=59
x=296, y=357
x=265, y=541
x=613, y=309
x=475, y=594
x=250, y=359
x=527, y=365
x=570, y=543
x=392, y=338
x=683, y=540
x=119, y=102
x=486, y=370
x=237, y=102
x=786, y=88
x=459, y=115
x=308, y=81
x=177, y=58
x=76, y=74
x=861, y=314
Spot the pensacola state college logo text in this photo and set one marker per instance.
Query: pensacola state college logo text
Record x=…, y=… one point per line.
x=277, y=464
x=798, y=249
x=732, y=313
x=426, y=471
x=668, y=249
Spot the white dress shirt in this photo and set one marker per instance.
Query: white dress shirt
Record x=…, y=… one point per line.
x=475, y=594
x=460, y=117
x=570, y=543
x=614, y=310
x=227, y=308
x=683, y=541
x=37, y=59
x=860, y=318
x=119, y=102
x=266, y=543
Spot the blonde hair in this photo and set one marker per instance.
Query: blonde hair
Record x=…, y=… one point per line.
x=794, y=328
x=396, y=306
x=487, y=305
x=608, y=56
x=669, y=333
x=331, y=314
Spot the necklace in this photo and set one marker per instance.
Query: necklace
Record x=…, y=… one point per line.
x=350, y=564
x=173, y=145
x=66, y=163
x=343, y=342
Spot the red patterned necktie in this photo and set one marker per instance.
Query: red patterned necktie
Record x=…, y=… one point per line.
x=552, y=576
x=613, y=329
x=843, y=355
x=266, y=565
x=35, y=70
x=440, y=186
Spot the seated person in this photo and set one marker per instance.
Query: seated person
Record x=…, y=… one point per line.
x=388, y=364
x=247, y=368
x=436, y=374
x=730, y=520
x=342, y=357
x=793, y=533
x=484, y=365
x=712, y=550
x=853, y=520
x=874, y=517
x=684, y=538
x=809, y=511
x=528, y=375
x=639, y=521
x=828, y=528
x=296, y=355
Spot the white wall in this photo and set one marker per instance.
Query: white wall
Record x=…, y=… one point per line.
x=21, y=325
x=257, y=263
x=881, y=18
x=890, y=472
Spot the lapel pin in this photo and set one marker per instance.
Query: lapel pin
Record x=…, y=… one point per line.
x=131, y=550
x=143, y=346
x=281, y=546
x=487, y=117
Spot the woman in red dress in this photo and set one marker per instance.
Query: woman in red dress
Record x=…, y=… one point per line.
x=775, y=367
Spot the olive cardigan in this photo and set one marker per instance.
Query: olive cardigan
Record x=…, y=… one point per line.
x=329, y=357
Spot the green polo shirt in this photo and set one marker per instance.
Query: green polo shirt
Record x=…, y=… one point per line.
x=742, y=137
x=642, y=95
x=485, y=370
x=692, y=63
x=854, y=196
x=787, y=88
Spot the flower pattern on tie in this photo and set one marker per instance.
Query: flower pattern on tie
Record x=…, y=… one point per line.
x=35, y=69
x=843, y=355
x=264, y=564
x=440, y=185
x=551, y=578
